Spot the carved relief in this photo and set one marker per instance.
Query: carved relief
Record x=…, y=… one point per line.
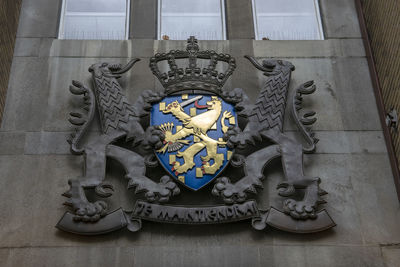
x=195, y=132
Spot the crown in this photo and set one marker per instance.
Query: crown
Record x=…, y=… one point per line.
x=193, y=76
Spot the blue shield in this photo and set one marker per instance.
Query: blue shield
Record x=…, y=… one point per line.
x=194, y=152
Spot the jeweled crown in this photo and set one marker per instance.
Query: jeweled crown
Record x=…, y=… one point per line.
x=192, y=77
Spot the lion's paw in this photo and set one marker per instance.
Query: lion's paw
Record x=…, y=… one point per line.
x=183, y=168
x=91, y=212
x=149, y=97
x=235, y=137
x=299, y=209
x=229, y=193
x=231, y=136
x=165, y=189
x=153, y=138
x=234, y=96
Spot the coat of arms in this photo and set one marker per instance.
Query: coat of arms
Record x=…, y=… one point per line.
x=194, y=151
x=196, y=136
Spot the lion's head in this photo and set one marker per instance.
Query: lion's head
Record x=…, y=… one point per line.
x=214, y=103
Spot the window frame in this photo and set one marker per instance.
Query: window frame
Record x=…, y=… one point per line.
x=317, y=13
x=223, y=18
x=62, y=22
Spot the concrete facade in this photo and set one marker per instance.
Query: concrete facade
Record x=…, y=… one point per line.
x=351, y=157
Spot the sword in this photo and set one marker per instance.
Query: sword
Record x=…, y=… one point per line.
x=190, y=101
x=179, y=143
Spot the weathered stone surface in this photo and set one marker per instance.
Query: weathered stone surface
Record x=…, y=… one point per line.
x=354, y=142
x=391, y=255
x=39, y=18
x=27, y=47
x=361, y=199
x=27, y=184
x=46, y=143
x=237, y=12
x=374, y=213
x=356, y=99
x=340, y=19
x=231, y=255
x=12, y=143
x=102, y=48
x=344, y=99
x=176, y=255
x=69, y=256
x=245, y=75
x=299, y=256
x=376, y=199
x=26, y=102
x=143, y=21
x=310, y=49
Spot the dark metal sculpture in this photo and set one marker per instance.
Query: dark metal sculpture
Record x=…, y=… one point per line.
x=196, y=132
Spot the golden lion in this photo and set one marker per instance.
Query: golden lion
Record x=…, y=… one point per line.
x=198, y=126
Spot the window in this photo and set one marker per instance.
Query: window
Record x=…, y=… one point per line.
x=179, y=19
x=287, y=20
x=94, y=19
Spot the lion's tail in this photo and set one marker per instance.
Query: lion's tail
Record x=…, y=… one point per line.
x=304, y=121
x=79, y=119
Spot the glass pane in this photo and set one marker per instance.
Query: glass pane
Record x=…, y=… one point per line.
x=191, y=6
x=94, y=19
x=180, y=28
x=96, y=6
x=287, y=20
x=288, y=28
x=285, y=6
x=94, y=27
x=183, y=18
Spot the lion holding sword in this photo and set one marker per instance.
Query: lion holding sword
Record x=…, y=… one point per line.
x=198, y=126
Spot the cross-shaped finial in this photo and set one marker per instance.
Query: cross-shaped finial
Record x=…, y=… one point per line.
x=192, y=45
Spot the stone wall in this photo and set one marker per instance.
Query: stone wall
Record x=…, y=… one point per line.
x=351, y=157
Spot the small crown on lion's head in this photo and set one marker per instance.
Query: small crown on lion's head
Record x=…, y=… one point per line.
x=194, y=76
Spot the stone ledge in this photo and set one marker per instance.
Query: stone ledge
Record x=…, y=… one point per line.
x=310, y=49
x=102, y=48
